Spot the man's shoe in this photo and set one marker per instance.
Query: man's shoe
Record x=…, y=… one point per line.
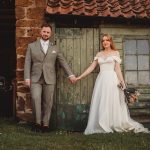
x=36, y=128
x=45, y=129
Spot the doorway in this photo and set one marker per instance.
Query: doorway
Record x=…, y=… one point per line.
x=7, y=54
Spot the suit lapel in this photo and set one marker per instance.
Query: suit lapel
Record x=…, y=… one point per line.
x=39, y=49
x=50, y=49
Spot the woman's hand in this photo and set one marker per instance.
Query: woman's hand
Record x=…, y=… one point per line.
x=123, y=86
x=78, y=78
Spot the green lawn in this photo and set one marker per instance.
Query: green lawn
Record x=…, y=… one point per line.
x=19, y=137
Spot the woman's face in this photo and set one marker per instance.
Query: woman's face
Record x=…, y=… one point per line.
x=106, y=42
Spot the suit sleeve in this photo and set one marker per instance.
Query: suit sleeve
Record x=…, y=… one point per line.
x=63, y=63
x=27, y=65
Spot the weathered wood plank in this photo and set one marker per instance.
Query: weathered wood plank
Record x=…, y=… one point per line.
x=57, y=95
x=90, y=57
x=84, y=83
x=62, y=75
x=144, y=97
x=96, y=50
x=118, y=45
x=117, y=39
x=70, y=59
x=140, y=111
x=77, y=59
x=125, y=31
x=96, y=41
x=144, y=90
x=140, y=105
x=59, y=77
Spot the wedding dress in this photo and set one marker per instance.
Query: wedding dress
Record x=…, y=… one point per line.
x=108, y=110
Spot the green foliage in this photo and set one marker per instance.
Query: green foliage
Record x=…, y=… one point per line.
x=17, y=136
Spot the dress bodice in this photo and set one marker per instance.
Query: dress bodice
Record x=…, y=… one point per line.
x=107, y=63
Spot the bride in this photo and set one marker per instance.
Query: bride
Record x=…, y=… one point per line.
x=108, y=110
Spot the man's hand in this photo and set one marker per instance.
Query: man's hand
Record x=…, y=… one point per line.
x=27, y=82
x=72, y=79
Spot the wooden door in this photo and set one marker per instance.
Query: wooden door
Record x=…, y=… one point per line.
x=79, y=46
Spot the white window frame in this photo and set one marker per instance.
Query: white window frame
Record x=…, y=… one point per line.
x=137, y=55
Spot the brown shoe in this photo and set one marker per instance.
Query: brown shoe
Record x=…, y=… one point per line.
x=36, y=128
x=45, y=128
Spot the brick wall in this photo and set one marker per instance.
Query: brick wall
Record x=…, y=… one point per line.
x=29, y=18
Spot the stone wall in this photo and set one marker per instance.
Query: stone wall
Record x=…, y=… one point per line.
x=29, y=18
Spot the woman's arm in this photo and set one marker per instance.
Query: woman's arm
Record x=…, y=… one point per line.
x=88, y=70
x=119, y=75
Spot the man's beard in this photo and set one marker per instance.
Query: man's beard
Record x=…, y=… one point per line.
x=45, y=38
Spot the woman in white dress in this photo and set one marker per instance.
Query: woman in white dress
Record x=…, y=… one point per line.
x=108, y=110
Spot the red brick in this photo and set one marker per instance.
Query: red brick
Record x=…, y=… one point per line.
x=21, y=51
x=40, y=3
x=23, y=3
x=20, y=13
x=29, y=23
x=20, y=32
x=34, y=32
x=20, y=63
x=36, y=13
x=24, y=41
x=20, y=75
x=23, y=89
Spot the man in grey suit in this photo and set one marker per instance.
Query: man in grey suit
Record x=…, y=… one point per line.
x=40, y=75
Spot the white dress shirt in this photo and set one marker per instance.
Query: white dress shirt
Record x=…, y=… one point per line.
x=44, y=45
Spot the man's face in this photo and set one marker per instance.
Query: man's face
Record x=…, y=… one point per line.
x=45, y=33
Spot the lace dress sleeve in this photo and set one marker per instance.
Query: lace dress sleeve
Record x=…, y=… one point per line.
x=95, y=58
x=116, y=57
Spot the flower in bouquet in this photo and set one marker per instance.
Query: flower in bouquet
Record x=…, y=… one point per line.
x=131, y=95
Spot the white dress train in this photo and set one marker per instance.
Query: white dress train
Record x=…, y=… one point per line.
x=108, y=110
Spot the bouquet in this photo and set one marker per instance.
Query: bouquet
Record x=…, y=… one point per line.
x=131, y=94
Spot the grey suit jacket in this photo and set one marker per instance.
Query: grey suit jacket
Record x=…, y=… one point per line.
x=36, y=63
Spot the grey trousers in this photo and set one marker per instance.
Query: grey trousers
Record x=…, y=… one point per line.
x=42, y=101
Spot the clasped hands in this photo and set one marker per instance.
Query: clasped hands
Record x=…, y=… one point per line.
x=74, y=79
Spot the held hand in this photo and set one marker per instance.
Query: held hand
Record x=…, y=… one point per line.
x=72, y=79
x=27, y=82
x=78, y=78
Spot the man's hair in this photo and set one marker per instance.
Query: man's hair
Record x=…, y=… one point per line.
x=46, y=25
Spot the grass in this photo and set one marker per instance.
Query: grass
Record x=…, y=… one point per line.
x=19, y=137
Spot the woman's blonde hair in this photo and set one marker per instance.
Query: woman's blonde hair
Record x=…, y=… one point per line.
x=112, y=44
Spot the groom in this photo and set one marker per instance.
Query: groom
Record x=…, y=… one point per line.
x=40, y=75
